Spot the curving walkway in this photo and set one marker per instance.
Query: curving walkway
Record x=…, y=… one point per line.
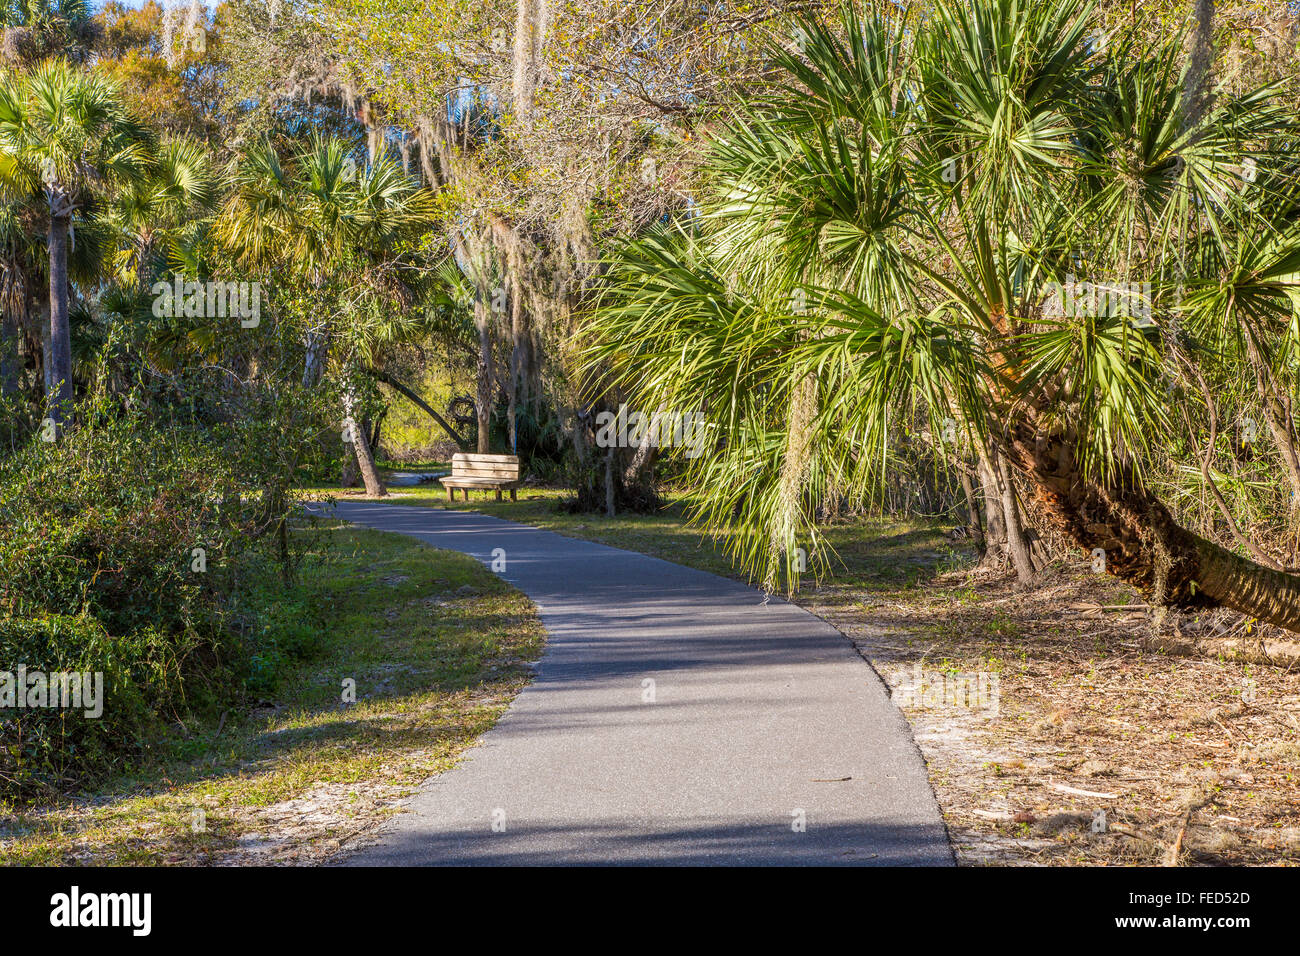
x=675, y=719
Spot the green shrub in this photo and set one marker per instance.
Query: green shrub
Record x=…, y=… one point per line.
x=50, y=748
x=99, y=573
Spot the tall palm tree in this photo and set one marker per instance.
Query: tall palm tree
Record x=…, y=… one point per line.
x=65, y=133
x=332, y=225
x=924, y=187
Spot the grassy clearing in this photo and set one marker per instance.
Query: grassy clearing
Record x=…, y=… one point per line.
x=437, y=646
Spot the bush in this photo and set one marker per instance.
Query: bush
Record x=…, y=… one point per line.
x=99, y=572
x=46, y=749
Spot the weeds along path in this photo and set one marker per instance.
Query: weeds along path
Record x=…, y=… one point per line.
x=676, y=718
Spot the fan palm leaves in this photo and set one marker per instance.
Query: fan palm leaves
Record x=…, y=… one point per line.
x=337, y=228
x=161, y=209
x=319, y=210
x=866, y=249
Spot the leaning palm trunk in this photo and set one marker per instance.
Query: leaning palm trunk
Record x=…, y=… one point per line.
x=1141, y=542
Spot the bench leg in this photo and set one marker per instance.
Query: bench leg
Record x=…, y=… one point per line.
x=512, y=495
x=451, y=493
x=498, y=494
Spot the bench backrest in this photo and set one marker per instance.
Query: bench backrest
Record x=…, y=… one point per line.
x=466, y=465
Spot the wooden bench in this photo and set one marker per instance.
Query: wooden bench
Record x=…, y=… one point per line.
x=490, y=472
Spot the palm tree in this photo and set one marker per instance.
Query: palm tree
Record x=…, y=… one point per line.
x=31, y=30
x=333, y=226
x=156, y=211
x=65, y=132
x=925, y=188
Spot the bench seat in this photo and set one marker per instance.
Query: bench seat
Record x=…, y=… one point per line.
x=489, y=472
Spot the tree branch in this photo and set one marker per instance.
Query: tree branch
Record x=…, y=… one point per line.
x=417, y=400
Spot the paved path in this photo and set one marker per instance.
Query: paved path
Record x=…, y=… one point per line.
x=761, y=718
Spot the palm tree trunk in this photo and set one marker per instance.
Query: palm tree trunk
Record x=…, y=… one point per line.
x=1196, y=81
x=972, y=509
x=313, y=365
x=1017, y=545
x=60, y=357
x=376, y=430
x=609, y=483
x=1006, y=537
x=1143, y=545
x=418, y=402
x=995, y=535
x=43, y=347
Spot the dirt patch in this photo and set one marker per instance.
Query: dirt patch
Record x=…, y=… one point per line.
x=1060, y=728
x=312, y=827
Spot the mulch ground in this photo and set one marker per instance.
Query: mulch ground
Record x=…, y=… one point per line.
x=1095, y=744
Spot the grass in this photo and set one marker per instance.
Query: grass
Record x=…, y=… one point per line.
x=436, y=646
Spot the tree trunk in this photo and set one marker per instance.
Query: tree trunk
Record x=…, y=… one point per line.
x=995, y=535
x=972, y=509
x=366, y=460
x=512, y=411
x=375, y=431
x=512, y=389
x=1143, y=545
x=1017, y=544
x=349, y=476
x=60, y=357
x=483, y=319
x=1196, y=81
x=419, y=403
x=314, y=362
x=642, y=457
x=609, y=482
